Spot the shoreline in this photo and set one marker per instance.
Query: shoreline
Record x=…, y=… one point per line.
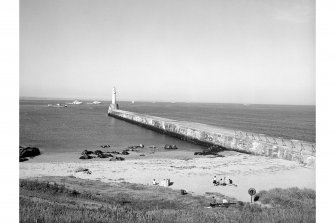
x=186, y=171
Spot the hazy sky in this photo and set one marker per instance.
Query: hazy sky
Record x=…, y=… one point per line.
x=233, y=51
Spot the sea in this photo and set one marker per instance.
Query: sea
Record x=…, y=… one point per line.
x=87, y=126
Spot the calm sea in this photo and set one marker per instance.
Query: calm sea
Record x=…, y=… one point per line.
x=80, y=127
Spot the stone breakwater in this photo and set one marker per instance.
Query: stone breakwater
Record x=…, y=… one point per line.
x=247, y=142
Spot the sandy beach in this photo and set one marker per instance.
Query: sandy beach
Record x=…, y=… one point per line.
x=186, y=171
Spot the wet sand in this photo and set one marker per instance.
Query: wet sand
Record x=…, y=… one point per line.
x=186, y=171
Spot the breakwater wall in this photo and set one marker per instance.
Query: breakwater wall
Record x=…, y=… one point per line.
x=247, y=142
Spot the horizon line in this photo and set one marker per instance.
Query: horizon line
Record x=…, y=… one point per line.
x=152, y=101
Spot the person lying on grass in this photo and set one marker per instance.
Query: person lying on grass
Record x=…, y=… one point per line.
x=231, y=183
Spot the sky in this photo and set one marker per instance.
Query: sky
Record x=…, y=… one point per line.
x=218, y=51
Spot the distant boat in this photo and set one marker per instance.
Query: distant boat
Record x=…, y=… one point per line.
x=132, y=102
x=94, y=103
x=75, y=102
x=57, y=106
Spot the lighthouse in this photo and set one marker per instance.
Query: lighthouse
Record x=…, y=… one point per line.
x=114, y=96
x=114, y=105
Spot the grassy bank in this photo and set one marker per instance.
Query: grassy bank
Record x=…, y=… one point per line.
x=66, y=199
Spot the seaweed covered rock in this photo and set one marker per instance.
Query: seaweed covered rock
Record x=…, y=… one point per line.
x=29, y=152
x=125, y=152
x=86, y=152
x=22, y=159
x=97, y=152
x=104, y=155
x=85, y=157
x=213, y=150
x=101, y=154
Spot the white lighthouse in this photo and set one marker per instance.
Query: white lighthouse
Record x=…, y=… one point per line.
x=114, y=105
x=114, y=96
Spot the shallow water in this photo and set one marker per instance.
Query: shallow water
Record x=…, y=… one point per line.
x=80, y=127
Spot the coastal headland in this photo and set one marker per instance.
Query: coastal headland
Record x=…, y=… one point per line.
x=122, y=191
x=69, y=199
x=104, y=188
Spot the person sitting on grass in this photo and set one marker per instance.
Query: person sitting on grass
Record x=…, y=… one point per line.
x=221, y=182
x=224, y=182
x=154, y=182
x=214, y=181
x=213, y=203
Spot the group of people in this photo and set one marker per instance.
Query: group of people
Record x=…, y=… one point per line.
x=216, y=182
x=154, y=182
x=222, y=182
